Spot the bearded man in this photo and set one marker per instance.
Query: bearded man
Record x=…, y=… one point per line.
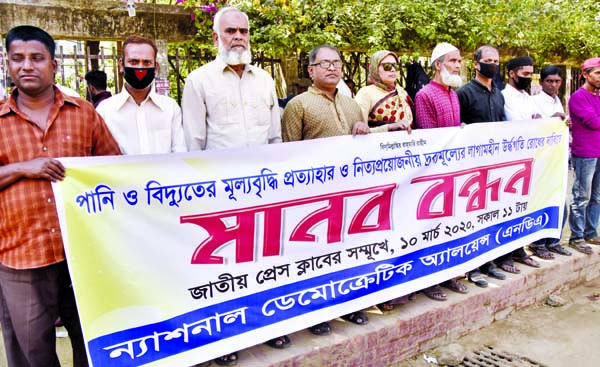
x=437, y=104
x=229, y=103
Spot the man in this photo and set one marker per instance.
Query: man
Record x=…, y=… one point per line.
x=37, y=119
x=584, y=108
x=436, y=105
x=142, y=121
x=229, y=103
x=518, y=105
x=549, y=105
x=481, y=101
x=96, y=87
x=323, y=112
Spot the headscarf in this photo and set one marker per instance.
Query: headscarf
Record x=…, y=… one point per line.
x=374, y=77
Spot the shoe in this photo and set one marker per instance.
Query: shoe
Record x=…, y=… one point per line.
x=320, y=329
x=492, y=272
x=227, y=360
x=279, y=343
x=476, y=277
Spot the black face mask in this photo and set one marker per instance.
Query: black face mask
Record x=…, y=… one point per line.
x=138, y=78
x=522, y=83
x=488, y=69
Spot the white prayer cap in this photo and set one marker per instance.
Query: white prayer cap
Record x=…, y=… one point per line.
x=442, y=49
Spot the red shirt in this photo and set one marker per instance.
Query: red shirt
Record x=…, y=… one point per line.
x=436, y=106
x=29, y=231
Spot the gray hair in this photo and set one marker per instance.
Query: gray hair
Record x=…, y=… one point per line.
x=224, y=10
x=313, y=53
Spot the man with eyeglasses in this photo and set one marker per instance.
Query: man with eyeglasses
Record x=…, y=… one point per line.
x=229, y=103
x=323, y=112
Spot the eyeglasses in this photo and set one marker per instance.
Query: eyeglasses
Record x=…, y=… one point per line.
x=231, y=30
x=327, y=64
x=388, y=66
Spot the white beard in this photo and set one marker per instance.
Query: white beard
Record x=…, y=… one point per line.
x=452, y=80
x=234, y=57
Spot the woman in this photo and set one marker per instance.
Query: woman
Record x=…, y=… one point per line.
x=383, y=102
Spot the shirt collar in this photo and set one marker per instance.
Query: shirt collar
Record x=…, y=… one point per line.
x=547, y=97
x=512, y=89
x=319, y=92
x=125, y=97
x=440, y=86
x=10, y=104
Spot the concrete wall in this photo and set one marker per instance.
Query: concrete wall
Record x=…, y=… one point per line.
x=98, y=19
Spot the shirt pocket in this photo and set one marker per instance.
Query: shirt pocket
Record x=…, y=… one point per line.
x=221, y=109
x=259, y=109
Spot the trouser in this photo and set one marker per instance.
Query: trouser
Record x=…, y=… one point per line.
x=551, y=241
x=30, y=302
x=585, y=205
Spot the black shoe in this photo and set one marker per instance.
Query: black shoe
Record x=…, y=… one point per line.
x=492, y=272
x=476, y=277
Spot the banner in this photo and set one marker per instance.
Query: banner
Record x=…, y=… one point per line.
x=178, y=259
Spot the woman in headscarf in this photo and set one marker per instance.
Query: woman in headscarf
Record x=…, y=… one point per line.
x=384, y=102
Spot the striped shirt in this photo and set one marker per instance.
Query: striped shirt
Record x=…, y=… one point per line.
x=29, y=231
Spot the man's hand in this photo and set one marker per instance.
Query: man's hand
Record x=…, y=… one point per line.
x=43, y=168
x=360, y=128
x=560, y=115
x=536, y=116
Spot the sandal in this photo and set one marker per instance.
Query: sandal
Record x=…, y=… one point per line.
x=527, y=260
x=509, y=268
x=436, y=293
x=558, y=249
x=358, y=318
x=593, y=240
x=227, y=360
x=320, y=329
x=279, y=343
x=455, y=286
x=385, y=307
x=491, y=271
x=542, y=253
x=581, y=246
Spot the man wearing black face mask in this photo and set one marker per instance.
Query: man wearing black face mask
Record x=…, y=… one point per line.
x=518, y=104
x=142, y=121
x=481, y=101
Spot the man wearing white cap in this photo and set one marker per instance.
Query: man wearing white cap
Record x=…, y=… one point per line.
x=437, y=105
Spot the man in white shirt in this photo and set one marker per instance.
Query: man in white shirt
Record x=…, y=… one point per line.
x=549, y=105
x=142, y=121
x=547, y=101
x=518, y=105
x=229, y=103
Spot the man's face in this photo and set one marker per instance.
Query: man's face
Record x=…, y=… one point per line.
x=551, y=84
x=138, y=55
x=329, y=76
x=234, y=34
x=524, y=71
x=450, y=69
x=592, y=77
x=30, y=66
x=488, y=56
